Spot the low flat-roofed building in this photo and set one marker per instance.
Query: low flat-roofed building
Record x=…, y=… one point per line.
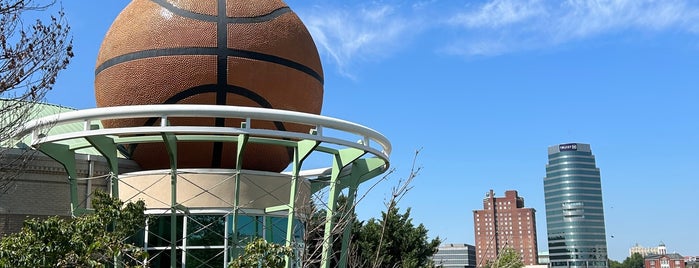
x=455, y=255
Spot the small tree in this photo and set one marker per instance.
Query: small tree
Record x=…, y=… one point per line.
x=392, y=241
x=633, y=261
x=508, y=257
x=399, y=243
x=31, y=55
x=260, y=253
x=614, y=264
x=91, y=240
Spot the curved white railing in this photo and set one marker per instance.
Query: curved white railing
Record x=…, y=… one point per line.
x=369, y=137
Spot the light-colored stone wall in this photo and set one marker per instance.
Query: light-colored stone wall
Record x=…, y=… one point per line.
x=41, y=189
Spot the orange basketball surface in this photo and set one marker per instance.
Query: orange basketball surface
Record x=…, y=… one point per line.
x=252, y=53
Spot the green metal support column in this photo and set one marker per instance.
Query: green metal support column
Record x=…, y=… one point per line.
x=62, y=154
x=302, y=150
x=242, y=143
x=342, y=158
x=108, y=149
x=362, y=170
x=171, y=145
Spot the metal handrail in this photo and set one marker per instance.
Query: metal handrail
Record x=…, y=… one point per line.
x=165, y=111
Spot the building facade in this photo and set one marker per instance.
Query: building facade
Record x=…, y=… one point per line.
x=691, y=261
x=42, y=189
x=672, y=260
x=505, y=222
x=574, y=210
x=455, y=255
x=659, y=250
x=544, y=257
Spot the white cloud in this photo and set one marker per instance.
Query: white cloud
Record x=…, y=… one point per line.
x=499, y=13
x=352, y=33
x=512, y=25
x=348, y=35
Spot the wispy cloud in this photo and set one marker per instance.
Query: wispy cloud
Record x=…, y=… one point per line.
x=502, y=26
x=500, y=13
x=347, y=35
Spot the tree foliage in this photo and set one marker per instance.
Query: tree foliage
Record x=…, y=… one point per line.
x=614, y=264
x=91, y=240
x=260, y=253
x=633, y=261
x=315, y=230
x=32, y=52
x=393, y=241
x=508, y=257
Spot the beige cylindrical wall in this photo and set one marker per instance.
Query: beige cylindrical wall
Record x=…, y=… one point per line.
x=211, y=188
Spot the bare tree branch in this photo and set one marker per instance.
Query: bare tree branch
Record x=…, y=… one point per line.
x=398, y=192
x=32, y=53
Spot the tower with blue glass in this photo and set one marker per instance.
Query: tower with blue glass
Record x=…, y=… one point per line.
x=574, y=208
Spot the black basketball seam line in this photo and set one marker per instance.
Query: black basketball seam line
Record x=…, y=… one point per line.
x=229, y=20
x=221, y=76
x=212, y=51
x=222, y=21
x=212, y=88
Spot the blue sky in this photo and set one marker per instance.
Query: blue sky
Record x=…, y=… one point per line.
x=484, y=87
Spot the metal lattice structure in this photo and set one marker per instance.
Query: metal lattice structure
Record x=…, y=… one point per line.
x=357, y=154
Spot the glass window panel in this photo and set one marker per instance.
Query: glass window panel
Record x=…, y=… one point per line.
x=205, y=258
x=159, y=231
x=249, y=227
x=205, y=230
x=161, y=258
x=277, y=230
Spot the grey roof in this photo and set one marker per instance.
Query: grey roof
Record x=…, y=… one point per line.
x=674, y=256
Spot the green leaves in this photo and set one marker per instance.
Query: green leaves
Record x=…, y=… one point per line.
x=91, y=240
x=508, y=257
x=633, y=261
x=260, y=253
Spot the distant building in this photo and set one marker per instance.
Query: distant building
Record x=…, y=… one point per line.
x=544, y=257
x=574, y=210
x=691, y=261
x=505, y=222
x=659, y=250
x=455, y=255
x=672, y=260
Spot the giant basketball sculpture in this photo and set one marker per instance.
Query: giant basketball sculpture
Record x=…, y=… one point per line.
x=236, y=52
x=159, y=58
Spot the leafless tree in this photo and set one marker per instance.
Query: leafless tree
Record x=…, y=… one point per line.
x=346, y=218
x=397, y=193
x=34, y=48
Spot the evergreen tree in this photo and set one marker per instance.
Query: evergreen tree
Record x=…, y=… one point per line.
x=633, y=261
x=393, y=241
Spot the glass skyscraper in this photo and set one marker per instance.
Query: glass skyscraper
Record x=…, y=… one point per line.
x=574, y=211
